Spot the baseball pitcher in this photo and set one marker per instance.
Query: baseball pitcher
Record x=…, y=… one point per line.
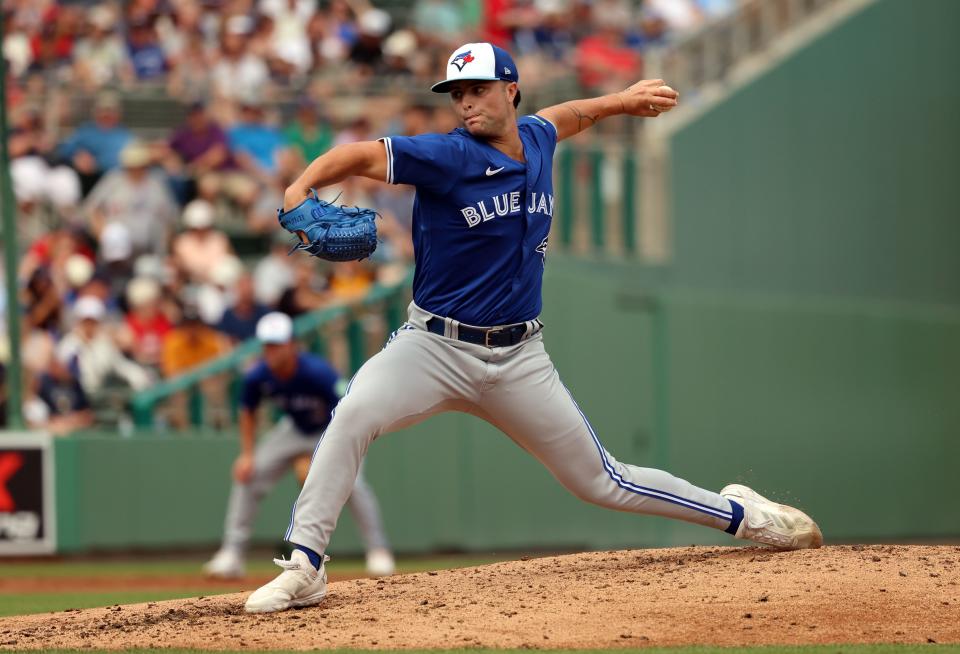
x=473, y=341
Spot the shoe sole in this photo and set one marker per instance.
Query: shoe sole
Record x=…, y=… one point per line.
x=310, y=600
x=739, y=490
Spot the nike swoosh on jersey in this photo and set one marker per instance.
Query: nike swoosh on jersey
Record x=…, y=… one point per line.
x=494, y=172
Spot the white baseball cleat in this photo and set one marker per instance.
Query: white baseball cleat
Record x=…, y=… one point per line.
x=300, y=584
x=380, y=562
x=225, y=564
x=773, y=524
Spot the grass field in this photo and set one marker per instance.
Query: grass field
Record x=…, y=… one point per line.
x=21, y=602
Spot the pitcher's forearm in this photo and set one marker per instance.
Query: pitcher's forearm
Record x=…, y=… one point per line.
x=577, y=115
x=364, y=159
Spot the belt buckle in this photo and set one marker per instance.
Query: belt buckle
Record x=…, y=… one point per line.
x=486, y=336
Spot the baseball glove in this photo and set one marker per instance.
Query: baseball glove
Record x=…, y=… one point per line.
x=331, y=232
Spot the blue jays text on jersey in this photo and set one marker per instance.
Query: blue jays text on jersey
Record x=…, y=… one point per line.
x=308, y=397
x=506, y=204
x=480, y=221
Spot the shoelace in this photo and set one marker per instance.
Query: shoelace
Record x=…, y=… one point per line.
x=288, y=564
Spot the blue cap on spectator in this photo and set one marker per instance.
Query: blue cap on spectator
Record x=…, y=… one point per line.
x=478, y=61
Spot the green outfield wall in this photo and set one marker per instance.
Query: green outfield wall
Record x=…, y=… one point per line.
x=804, y=339
x=847, y=408
x=834, y=173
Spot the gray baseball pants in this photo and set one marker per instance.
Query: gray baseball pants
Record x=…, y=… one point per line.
x=274, y=455
x=516, y=389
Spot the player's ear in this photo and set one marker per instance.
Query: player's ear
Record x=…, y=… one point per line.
x=513, y=91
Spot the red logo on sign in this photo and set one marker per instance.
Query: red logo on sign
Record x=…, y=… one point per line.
x=9, y=464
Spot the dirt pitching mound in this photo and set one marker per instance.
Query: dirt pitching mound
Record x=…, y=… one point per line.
x=696, y=595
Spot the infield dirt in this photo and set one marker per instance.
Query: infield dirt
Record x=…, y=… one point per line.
x=631, y=598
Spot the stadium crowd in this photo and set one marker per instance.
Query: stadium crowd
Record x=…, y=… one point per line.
x=136, y=261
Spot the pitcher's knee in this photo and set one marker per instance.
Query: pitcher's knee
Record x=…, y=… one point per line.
x=355, y=419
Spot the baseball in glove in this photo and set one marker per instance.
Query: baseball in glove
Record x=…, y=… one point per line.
x=331, y=232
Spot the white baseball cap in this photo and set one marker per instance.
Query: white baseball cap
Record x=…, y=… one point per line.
x=89, y=307
x=198, y=214
x=478, y=61
x=115, y=242
x=275, y=327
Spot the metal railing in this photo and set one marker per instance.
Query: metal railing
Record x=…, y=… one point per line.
x=342, y=328
x=596, y=188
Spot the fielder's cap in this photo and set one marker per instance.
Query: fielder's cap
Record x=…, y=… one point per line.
x=478, y=61
x=275, y=327
x=89, y=307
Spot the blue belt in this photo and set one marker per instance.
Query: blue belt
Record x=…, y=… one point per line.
x=486, y=336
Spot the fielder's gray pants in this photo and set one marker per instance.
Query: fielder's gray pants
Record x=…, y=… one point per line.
x=517, y=390
x=274, y=455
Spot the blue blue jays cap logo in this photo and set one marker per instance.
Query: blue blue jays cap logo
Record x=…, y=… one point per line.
x=462, y=59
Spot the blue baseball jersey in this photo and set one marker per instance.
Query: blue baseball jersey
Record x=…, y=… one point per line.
x=308, y=397
x=480, y=221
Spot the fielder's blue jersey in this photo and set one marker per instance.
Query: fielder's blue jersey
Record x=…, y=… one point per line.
x=308, y=397
x=480, y=221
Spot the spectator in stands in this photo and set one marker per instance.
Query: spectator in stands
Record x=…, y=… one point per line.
x=92, y=351
x=338, y=33
x=239, y=322
x=100, y=59
x=137, y=197
x=35, y=180
x=190, y=76
x=367, y=51
x=239, y=73
x=274, y=274
x=115, y=256
x=94, y=148
x=680, y=16
x=289, y=41
x=262, y=213
x=179, y=27
x=309, y=291
x=52, y=44
x=42, y=303
x=60, y=406
x=401, y=60
x=604, y=61
x=350, y=280
x=199, y=250
x=310, y=133
x=254, y=143
x=51, y=250
x=197, y=148
x=188, y=345
x=147, y=58
x=145, y=325
x=16, y=45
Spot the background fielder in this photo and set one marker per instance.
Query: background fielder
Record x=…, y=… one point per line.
x=305, y=388
x=473, y=341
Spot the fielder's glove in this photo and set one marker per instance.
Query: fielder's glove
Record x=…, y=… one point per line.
x=331, y=232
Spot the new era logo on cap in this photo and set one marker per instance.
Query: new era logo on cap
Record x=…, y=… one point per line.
x=478, y=61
